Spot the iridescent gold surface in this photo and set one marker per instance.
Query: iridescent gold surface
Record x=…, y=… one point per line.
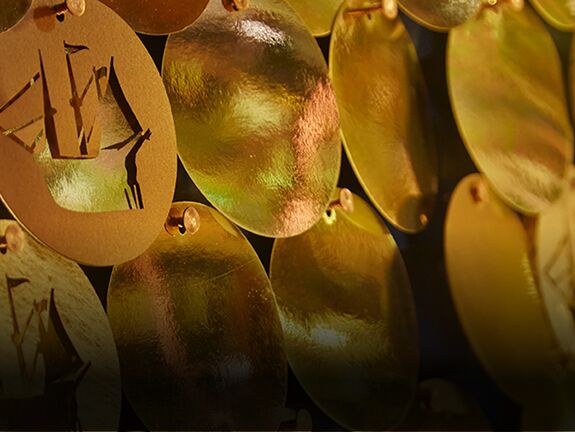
x=508, y=98
x=256, y=117
x=382, y=100
x=198, y=332
x=440, y=15
x=317, y=15
x=12, y=11
x=88, y=149
x=496, y=295
x=558, y=13
x=37, y=369
x=348, y=318
x=158, y=16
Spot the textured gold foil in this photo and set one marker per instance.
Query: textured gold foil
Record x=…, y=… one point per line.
x=440, y=15
x=256, y=118
x=12, y=11
x=384, y=119
x=318, y=15
x=198, y=332
x=558, y=13
x=509, y=101
x=348, y=318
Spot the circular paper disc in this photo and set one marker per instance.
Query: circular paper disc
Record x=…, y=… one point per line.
x=348, y=318
x=256, y=117
x=318, y=15
x=382, y=100
x=496, y=296
x=158, y=16
x=65, y=373
x=440, y=15
x=198, y=333
x=508, y=98
x=88, y=151
x=558, y=13
x=12, y=11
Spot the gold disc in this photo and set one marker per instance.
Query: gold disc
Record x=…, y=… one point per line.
x=440, y=15
x=349, y=318
x=58, y=363
x=558, y=13
x=88, y=149
x=197, y=329
x=495, y=292
x=508, y=98
x=382, y=99
x=12, y=12
x=158, y=17
x=256, y=117
x=317, y=15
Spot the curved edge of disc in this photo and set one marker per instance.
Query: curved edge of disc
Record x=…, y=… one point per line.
x=428, y=24
x=551, y=19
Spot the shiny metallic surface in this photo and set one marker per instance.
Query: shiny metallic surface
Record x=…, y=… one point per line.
x=508, y=98
x=83, y=203
x=440, y=15
x=198, y=332
x=383, y=105
x=497, y=298
x=28, y=276
x=12, y=12
x=158, y=17
x=559, y=13
x=349, y=318
x=317, y=15
x=256, y=117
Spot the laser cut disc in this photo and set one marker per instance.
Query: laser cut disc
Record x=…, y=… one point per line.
x=318, y=15
x=558, y=13
x=88, y=151
x=77, y=363
x=256, y=117
x=12, y=12
x=508, y=98
x=198, y=332
x=383, y=102
x=440, y=15
x=158, y=17
x=497, y=298
x=348, y=318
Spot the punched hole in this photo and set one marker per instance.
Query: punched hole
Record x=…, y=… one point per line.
x=61, y=17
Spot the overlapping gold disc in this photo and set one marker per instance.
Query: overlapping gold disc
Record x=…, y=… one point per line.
x=440, y=15
x=348, y=318
x=318, y=15
x=558, y=13
x=256, y=117
x=197, y=330
x=383, y=103
x=87, y=150
x=58, y=363
x=497, y=297
x=12, y=11
x=158, y=16
x=509, y=101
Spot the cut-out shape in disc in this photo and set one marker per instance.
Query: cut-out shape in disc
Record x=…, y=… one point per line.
x=12, y=11
x=509, y=101
x=58, y=362
x=348, y=317
x=383, y=106
x=158, y=17
x=440, y=15
x=497, y=298
x=197, y=329
x=558, y=13
x=256, y=118
x=88, y=148
x=317, y=15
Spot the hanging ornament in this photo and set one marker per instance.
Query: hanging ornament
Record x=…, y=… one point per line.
x=440, y=15
x=558, y=13
x=12, y=12
x=58, y=362
x=256, y=117
x=508, y=97
x=382, y=99
x=318, y=15
x=87, y=150
x=348, y=316
x=513, y=315
x=158, y=17
x=197, y=329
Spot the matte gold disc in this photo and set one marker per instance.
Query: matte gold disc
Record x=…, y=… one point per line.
x=508, y=98
x=496, y=295
x=58, y=363
x=12, y=11
x=440, y=15
x=198, y=332
x=256, y=117
x=382, y=101
x=348, y=318
x=318, y=15
x=88, y=149
x=158, y=16
x=558, y=13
